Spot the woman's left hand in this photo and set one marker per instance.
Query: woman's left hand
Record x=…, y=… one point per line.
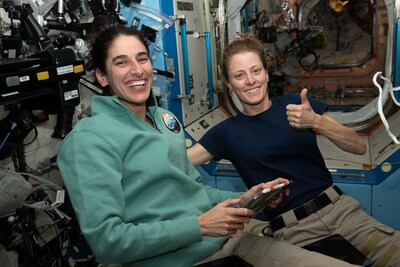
x=302, y=116
x=257, y=189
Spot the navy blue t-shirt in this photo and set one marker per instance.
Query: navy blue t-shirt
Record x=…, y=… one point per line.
x=265, y=147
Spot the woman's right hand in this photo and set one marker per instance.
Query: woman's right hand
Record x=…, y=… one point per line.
x=224, y=219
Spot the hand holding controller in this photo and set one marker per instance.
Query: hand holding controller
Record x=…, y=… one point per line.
x=262, y=200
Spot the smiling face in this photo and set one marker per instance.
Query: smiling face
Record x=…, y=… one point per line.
x=248, y=78
x=128, y=72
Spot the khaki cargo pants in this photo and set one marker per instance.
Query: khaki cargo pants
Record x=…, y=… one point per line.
x=266, y=251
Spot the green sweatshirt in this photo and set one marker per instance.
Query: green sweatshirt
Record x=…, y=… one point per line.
x=135, y=193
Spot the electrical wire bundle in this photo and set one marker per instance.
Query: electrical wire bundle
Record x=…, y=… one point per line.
x=39, y=229
x=391, y=91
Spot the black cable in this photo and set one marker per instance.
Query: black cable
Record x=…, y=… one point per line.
x=34, y=137
x=309, y=67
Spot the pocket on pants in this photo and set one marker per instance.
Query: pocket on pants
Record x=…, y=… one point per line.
x=384, y=229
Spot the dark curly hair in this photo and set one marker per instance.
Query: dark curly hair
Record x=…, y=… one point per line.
x=100, y=41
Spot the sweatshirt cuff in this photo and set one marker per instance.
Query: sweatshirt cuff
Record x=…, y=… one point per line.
x=186, y=231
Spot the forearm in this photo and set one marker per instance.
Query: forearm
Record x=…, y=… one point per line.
x=342, y=136
x=141, y=241
x=216, y=196
x=198, y=155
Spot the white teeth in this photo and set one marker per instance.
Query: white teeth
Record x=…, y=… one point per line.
x=252, y=90
x=137, y=83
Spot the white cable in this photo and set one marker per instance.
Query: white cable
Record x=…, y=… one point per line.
x=43, y=205
x=380, y=103
x=391, y=89
x=42, y=181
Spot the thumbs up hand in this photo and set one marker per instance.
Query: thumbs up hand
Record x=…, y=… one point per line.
x=301, y=116
x=303, y=97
